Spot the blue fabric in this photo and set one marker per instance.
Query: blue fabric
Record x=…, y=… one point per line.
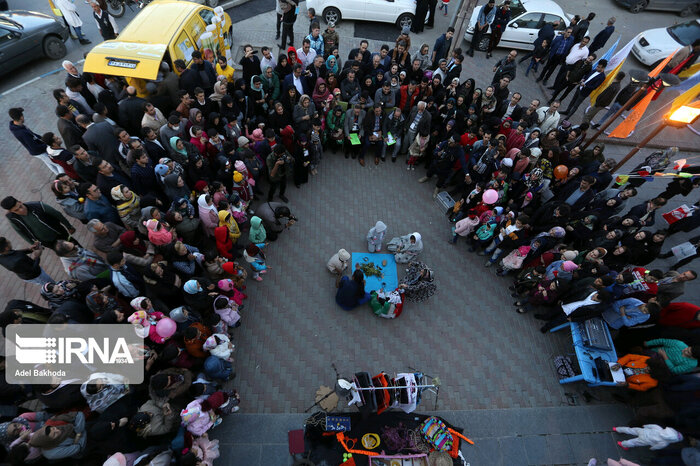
x=29, y=139
x=390, y=279
x=217, y=368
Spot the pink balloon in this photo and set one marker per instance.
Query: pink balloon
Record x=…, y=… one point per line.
x=490, y=196
x=166, y=327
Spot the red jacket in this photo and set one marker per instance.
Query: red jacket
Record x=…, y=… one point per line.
x=684, y=315
x=403, y=97
x=223, y=243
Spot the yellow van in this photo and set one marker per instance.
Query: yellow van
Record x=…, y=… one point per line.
x=165, y=30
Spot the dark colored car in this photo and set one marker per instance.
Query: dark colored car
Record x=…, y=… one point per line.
x=682, y=7
x=27, y=35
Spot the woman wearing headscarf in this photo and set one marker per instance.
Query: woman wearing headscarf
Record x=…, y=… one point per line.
x=258, y=97
x=158, y=234
x=351, y=292
x=208, y=214
x=321, y=93
x=128, y=206
x=581, y=228
x=257, y=232
x=283, y=67
x=303, y=112
x=185, y=226
x=375, y=236
x=175, y=187
x=62, y=436
x=280, y=118
x=424, y=56
x=196, y=118
x=332, y=64
x=182, y=150
x=406, y=248
x=227, y=220
x=271, y=84
x=289, y=99
x=418, y=284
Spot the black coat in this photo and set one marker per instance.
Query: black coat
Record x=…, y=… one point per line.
x=101, y=139
x=131, y=113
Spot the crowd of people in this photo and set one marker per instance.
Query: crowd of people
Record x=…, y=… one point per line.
x=175, y=180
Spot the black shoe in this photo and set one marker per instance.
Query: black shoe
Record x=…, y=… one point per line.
x=347, y=156
x=544, y=329
x=488, y=55
x=85, y=41
x=277, y=37
x=284, y=198
x=280, y=46
x=393, y=159
x=511, y=288
x=470, y=52
x=595, y=126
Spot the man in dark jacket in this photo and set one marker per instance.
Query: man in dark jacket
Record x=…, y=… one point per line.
x=573, y=77
x=505, y=67
x=69, y=131
x=131, y=111
x=499, y=25
x=28, y=138
x=206, y=72
x=545, y=32
x=602, y=37
x=581, y=28
x=442, y=46
x=24, y=262
x=373, y=125
x=100, y=138
x=189, y=78
x=605, y=98
x=588, y=84
x=577, y=196
x=36, y=221
x=558, y=50
x=623, y=97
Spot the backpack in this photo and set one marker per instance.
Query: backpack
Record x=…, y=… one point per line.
x=436, y=433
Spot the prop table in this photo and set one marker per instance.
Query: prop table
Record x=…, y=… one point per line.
x=390, y=280
x=586, y=356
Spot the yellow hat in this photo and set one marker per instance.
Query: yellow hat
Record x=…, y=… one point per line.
x=237, y=177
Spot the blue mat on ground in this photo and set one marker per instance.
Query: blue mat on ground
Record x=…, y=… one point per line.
x=389, y=281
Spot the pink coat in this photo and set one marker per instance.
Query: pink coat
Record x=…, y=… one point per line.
x=465, y=226
x=209, y=220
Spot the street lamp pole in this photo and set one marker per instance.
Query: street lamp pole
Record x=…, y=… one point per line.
x=645, y=82
x=463, y=16
x=682, y=116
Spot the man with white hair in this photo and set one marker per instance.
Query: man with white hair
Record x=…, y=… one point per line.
x=70, y=15
x=418, y=119
x=105, y=22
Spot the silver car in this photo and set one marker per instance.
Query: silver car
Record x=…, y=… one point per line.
x=27, y=35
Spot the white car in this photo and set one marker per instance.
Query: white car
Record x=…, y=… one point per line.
x=653, y=45
x=399, y=12
x=527, y=17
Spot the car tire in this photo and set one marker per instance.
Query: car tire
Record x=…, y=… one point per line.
x=331, y=14
x=54, y=48
x=404, y=20
x=689, y=10
x=638, y=6
x=116, y=8
x=483, y=44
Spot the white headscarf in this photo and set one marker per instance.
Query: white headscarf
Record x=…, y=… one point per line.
x=418, y=246
x=202, y=203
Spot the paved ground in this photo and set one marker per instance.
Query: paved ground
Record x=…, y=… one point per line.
x=489, y=358
x=508, y=437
